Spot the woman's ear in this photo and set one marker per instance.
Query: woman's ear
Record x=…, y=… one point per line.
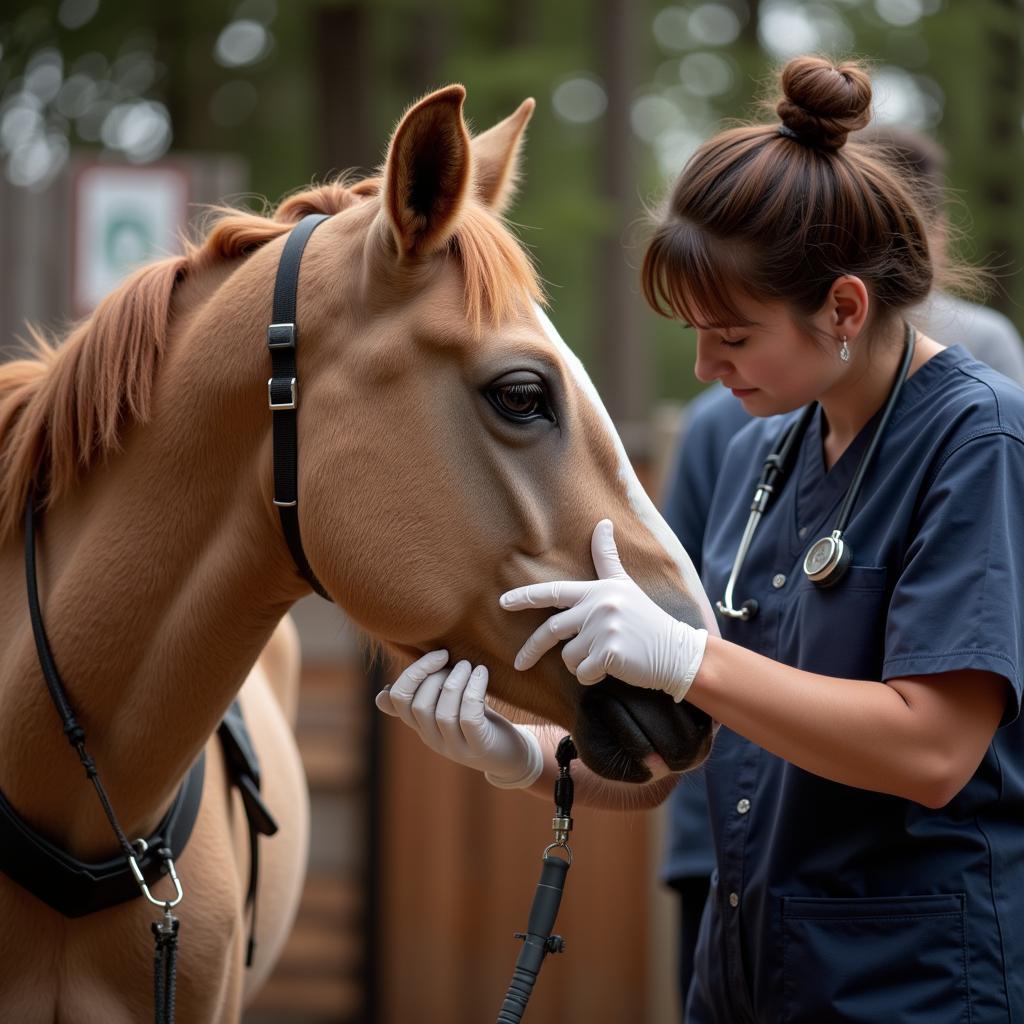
x=848, y=304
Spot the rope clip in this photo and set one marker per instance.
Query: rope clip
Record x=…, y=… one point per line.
x=140, y=880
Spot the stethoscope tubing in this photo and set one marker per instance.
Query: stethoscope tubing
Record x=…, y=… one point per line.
x=773, y=474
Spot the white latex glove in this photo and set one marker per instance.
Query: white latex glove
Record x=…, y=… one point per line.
x=618, y=629
x=449, y=712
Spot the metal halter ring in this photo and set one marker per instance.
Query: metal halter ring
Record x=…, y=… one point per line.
x=141, y=881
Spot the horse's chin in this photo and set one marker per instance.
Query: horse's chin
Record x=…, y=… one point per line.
x=626, y=734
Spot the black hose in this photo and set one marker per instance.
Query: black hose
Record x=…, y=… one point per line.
x=537, y=941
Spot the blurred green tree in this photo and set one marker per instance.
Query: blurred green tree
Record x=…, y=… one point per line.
x=626, y=89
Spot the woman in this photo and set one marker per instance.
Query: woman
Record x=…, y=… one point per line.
x=867, y=785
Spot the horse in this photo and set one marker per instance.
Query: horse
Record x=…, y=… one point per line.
x=451, y=447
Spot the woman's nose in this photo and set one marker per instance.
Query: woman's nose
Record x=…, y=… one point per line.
x=709, y=366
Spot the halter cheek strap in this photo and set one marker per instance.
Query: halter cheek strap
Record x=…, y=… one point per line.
x=283, y=393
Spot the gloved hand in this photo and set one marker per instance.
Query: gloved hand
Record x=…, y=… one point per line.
x=449, y=712
x=618, y=629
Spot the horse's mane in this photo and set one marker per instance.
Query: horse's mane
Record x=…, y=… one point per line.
x=64, y=408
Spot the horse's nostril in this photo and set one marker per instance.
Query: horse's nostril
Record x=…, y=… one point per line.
x=620, y=728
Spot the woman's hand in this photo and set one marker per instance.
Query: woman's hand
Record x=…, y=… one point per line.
x=448, y=710
x=618, y=629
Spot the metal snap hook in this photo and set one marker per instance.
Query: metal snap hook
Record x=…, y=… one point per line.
x=141, y=881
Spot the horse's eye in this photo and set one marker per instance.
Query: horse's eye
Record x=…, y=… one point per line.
x=521, y=401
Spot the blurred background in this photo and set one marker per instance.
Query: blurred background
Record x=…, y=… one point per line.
x=120, y=118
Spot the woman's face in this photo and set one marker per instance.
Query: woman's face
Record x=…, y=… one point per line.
x=771, y=366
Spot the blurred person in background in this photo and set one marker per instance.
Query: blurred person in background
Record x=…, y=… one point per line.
x=714, y=417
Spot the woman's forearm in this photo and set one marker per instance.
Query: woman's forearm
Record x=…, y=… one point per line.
x=908, y=739
x=855, y=732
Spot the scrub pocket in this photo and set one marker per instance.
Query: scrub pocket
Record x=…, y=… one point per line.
x=875, y=961
x=838, y=631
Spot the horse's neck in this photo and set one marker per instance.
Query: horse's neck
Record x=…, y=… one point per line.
x=161, y=578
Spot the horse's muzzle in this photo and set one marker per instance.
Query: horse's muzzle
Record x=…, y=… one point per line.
x=618, y=726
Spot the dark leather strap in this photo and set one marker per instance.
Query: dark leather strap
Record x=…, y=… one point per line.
x=76, y=887
x=283, y=390
x=244, y=771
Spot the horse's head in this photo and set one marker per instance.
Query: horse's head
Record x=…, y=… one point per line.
x=452, y=446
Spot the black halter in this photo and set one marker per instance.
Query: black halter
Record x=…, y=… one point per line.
x=283, y=392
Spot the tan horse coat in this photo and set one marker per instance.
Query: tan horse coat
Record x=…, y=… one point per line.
x=163, y=572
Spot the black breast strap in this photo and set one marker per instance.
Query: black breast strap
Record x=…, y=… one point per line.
x=77, y=887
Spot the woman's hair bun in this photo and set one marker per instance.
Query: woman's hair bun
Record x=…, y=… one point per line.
x=823, y=102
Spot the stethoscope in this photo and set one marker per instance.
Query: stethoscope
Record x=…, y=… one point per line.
x=827, y=559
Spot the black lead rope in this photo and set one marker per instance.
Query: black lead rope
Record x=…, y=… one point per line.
x=165, y=967
x=165, y=930
x=537, y=939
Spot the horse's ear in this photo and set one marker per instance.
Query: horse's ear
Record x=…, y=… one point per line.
x=428, y=171
x=496, y=158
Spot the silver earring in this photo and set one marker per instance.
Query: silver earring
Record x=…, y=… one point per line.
x=844, y=351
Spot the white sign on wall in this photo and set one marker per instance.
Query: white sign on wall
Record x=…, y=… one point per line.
x=123, y=217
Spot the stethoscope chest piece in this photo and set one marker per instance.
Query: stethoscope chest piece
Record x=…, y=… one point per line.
x=827, y=560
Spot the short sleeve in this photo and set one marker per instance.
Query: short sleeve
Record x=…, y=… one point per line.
x=958, y=602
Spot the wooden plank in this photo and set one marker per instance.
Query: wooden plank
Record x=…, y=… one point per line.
x=320, y=976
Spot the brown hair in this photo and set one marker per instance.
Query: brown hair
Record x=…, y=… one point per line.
x=779, y=211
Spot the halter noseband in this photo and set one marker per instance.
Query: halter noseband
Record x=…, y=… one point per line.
x=283, y=393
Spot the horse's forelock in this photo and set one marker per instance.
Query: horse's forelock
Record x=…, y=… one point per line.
x=330, y=198
x=499, y=275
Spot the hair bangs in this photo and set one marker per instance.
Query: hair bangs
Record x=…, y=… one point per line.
x=693, y=278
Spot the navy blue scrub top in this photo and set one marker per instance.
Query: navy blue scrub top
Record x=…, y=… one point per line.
x=835, y=904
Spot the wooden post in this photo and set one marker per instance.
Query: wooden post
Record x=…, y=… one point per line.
x=343, y=78
x=623, y=362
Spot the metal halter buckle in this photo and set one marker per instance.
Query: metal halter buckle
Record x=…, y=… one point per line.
x=281, y=336
x=291, y=404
